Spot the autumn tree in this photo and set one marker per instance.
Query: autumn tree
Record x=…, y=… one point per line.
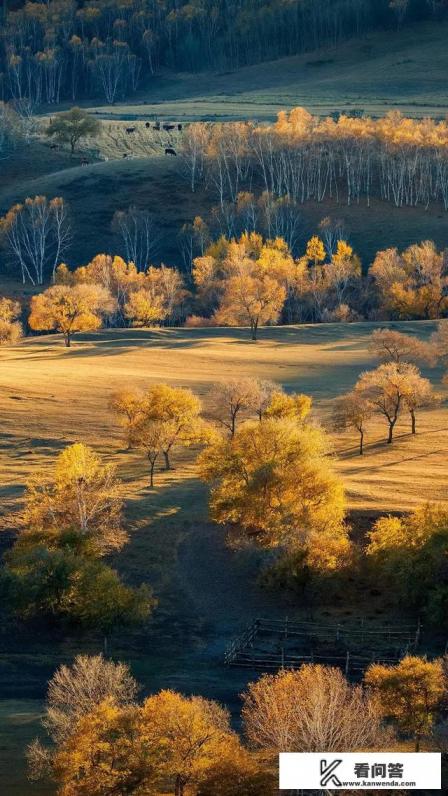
x=10, y=327
x=160, y=419
x=68, y=310
x=292, y=406
x=352, y=411
x=126, y=405
x=392, y=346
x=250, y=299
x=80, y=507
x=419, y=395
x=244, y=282
x=412, y=284
x=66, y=587
x=408, y=555
x=315, y=250
x=308, y=710
x=71, y=126
x=272, y=483
x=169, y=742
x=234, y=398
x=74, y=690
x=392, y=387
x=144, y=308
x=410, y=693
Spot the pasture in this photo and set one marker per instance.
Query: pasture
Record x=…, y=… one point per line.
x=381, y=71
x=51, y=397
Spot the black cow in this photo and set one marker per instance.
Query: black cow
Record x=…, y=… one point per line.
x=130, y=130
x=179, y=127
x=156, y=126
x=169, y=127
x=170, y=151
x=147, y=125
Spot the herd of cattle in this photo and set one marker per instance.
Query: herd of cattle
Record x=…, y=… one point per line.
x=169, y=150
x=167, y=127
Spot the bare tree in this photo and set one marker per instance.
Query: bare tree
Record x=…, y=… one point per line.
x=139, y=235
x=73, y=692
x=37, y=234
x=392, y=387
x=194, y=145
x=229, y=399
x=352, y=411
x=391, y=346
x=311, y=709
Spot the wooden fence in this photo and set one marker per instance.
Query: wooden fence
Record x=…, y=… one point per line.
x=271, y=644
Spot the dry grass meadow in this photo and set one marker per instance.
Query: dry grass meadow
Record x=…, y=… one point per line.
x=51, y=397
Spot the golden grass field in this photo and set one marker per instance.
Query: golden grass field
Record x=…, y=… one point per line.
x=51, y=396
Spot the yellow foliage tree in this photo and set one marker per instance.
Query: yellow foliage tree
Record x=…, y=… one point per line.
x=273, y=483
x=83, y=504
x=10, y=328
x=170, y=742
x=160, y=419
x=315, y=250
x=413, y=284
x=294, y=406
x=410, y=693
x=143, y=308
x=69, y=310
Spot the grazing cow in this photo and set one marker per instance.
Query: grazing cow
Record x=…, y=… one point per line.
x=179, y=127
x=130, y=130
x=125, y=155
x=156, y=126
x=170, y=151
x=54, y=146
x=168, y=127
x=147, y=125
x=84, y=162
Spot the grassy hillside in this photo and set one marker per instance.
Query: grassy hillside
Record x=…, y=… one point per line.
x=403, y=70
x=96, y=191
x=51, y=396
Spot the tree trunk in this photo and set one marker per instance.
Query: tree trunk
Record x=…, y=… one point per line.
x=67, y=340
x=417, y=743
x=253, y=328
x=151, y=473
x=166, y=455
x=412, y=413
x=361, y=443
x=179, y=786
x=391, y=432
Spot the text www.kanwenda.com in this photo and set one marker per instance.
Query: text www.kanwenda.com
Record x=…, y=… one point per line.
x=364, y=783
